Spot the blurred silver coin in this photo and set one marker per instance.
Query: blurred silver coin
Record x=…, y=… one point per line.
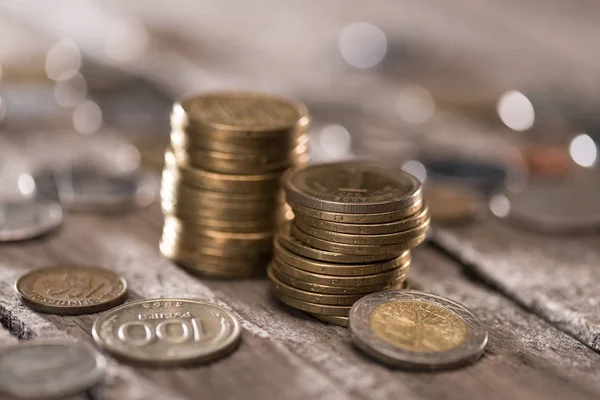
x=84, y=187
x=566, y=207
x=21, y=220
x=416, y=330
x=49, y=370
x=167, y=331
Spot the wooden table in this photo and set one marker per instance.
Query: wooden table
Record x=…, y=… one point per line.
x=537, y=295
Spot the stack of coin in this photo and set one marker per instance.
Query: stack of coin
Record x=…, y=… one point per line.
x=220, y=190
x=354, y=227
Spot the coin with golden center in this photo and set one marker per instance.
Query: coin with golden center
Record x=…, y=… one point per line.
x=416, y=330
x=71, y=290
x=352, y=187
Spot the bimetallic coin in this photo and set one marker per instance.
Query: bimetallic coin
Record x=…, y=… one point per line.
x=49, y=370
x=367, y=228
x=167, y=331
x=370, y=218
x=390, y=251
x=416, y=330
x=352, y=187
x=71, y=290
x=365, y=240
x=333, y=319
x=28, y=219
x=286, y=256
x=297, y=247
x=330, y=299
x=449, y=203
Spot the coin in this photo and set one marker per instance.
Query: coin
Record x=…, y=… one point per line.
x=366, y=228
x=328, y=299
x=370, y=218
x=341, y=281
x=167, y=331
x=333, y=319
x=241, y=114
x=312, y=307
x=482, y=175
x=49, y=369
x=204, y=255
x=365, y=240
x=340, y=290
x=28, y=219
x=71, y=290
x=454, y=203
x=416, y=330
x=352, y=187
x=306, y=264
x=297, y=247
x=390, y=251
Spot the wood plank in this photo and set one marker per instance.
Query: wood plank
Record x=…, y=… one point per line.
x=285, y=352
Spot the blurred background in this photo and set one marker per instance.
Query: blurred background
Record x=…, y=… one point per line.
x=510, y=83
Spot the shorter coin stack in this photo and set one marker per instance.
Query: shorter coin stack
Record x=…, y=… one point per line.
x=220, y=190
x=354, y=228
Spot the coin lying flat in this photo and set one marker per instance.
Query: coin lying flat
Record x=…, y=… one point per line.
x=451, y=203
x=416, y=330
x=313, y=308
x=352, y=187
x=28, y=219
x=370, y=218
x=333, y=319
x=71, y=290
x=49, y=370
x=167, y=331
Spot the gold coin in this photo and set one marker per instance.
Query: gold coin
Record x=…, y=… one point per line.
x=367, y=229
x=200, y=256
x=305, y=264
x=241, y=114
x=454, y=203
x=390, y=251
x=352, y=187
x=365, y=240
x=200, y=246
x=297, y=247
x=312, y=307
x=341, y=281
x=224, y=182
x=329, y=299
x=71, y=290
x=223, y=214
x=372, y=218
x=221, y=270
x=326, y=289
x=333, y=319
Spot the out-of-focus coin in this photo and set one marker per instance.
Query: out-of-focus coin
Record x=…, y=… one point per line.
x=482, y=175
x=71, y=290
x=352, y=187
x=416, y=330
x=341, y=281
x=367, y=229
x=390, y=251
x=333, y=319
x=551, y=207
x=384, y=239
x=449, y=203
x=547, y=160
x=28, y=219
x=49, y=370
x=297, y=247
x=314, y=308
x=306, y=264
x=371, y=218
x=329, y=299
x=167, y=331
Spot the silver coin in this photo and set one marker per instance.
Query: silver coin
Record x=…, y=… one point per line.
x=49, y=370
x=84, y=187
x=167, y=331
x=416, y=330
x=550, y=207
x=28, y=219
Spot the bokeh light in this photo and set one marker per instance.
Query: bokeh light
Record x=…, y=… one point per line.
x=127, y=158
x=70, y=92
x=363, y=45
x=516, y=111
x=499, y=205
x=583, y=150
x=415, y=104
x=416, y=168
x=26, y=185
x=63, y=60
x=87, y=117
x=126, y=40
x=335, y=141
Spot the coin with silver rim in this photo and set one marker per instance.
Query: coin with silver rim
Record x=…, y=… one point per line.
x=167, y=331
x=28, y=219
x=49, y=369
x=416, y=330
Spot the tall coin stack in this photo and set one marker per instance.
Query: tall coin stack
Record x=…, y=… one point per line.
x=220, y=191
x=354, y=228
